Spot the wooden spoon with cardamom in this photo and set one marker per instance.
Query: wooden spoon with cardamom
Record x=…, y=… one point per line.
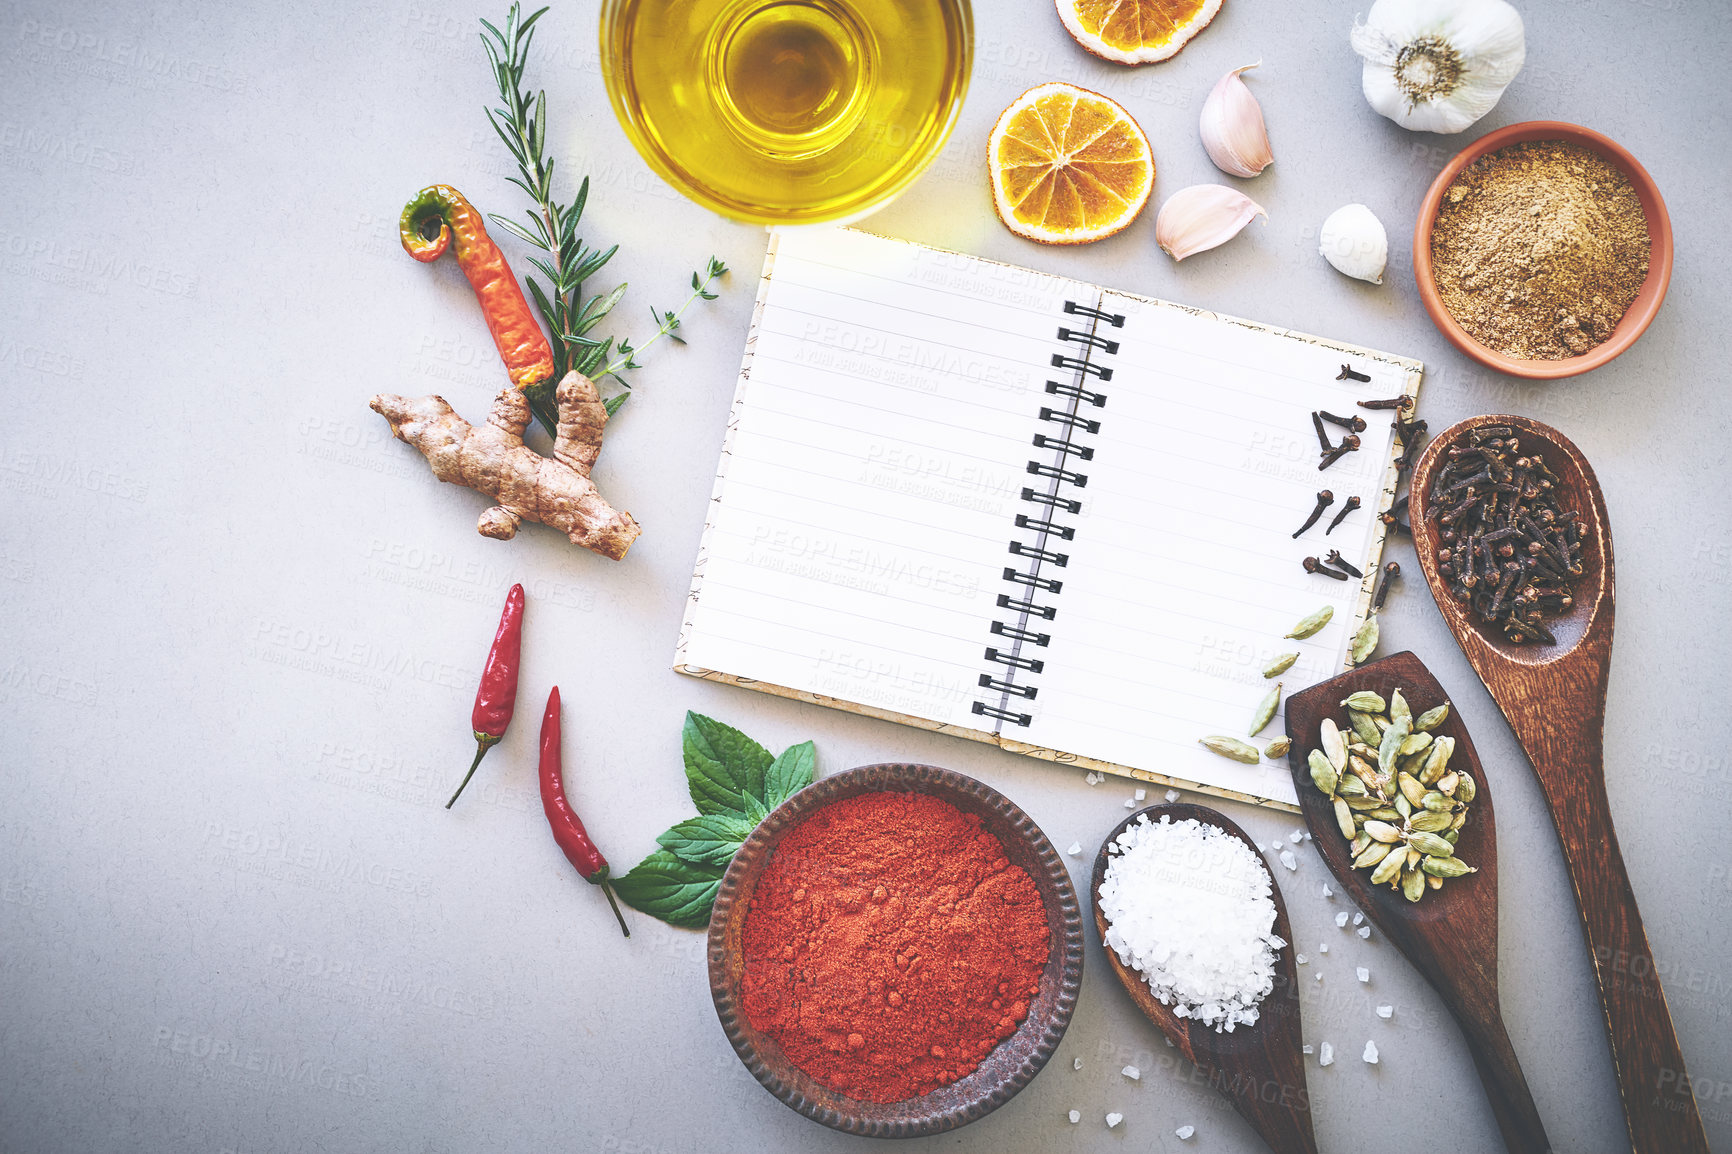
x=1449, y=934
x=1555, y=699
x=1259, y=1067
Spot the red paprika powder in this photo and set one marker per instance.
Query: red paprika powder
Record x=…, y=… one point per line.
x=890, y=945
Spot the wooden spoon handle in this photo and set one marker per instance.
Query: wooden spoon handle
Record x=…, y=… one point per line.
x=1658, y=1106
x=1505, y=1085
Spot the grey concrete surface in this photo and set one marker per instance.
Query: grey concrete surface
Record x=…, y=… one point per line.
x=240, y=626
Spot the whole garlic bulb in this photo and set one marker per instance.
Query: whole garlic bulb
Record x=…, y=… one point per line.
x=1438, y=65
x=1232, y=127
x=1353, y=240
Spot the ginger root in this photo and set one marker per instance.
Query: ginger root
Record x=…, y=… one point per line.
x=493, y=459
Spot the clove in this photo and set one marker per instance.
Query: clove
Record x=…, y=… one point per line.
x=1312, y=565
x=1351, y=504
x=1348, y=444
x=1322, y=435
x=1336, y=559
x=1347, y=374
x=1324, y=499
x=1402, y=403
x=1353, y=424
x=1390, y=572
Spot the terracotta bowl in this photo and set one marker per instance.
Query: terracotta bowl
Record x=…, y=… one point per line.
x=1641, y=311
x=1010, y=1066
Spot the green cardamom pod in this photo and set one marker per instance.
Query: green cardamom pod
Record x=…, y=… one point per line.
x=1334, y=745
x=1364, y=640
x=1429, y=844
x=1415, y=743
x=1388, y=869
x=1322, y=773
x=1390, y=749
x=1349, y=785
x=1446, y=867
x=1436, y=760
x=1414, y=857
x=1450, y=835
x=1382, y=724
x=1344, y=820
x=1383, y=831
x=1365, y=701
x=1429, y=821
x=1448, y=782
x=1363, y=801
x=1398, y=710
x=1413, y=885
x=1403, y=806
x=1437, y=802
x=1432, y=718
x=1371, y=855
x=1465, y=789
x=1277, y=749
x=1410, y=788
x=1233, y=748
x=1281, y=664
x=1460, y=819
x=1363, y=727
x=1360, y=843
x=1384, y=813
x=1311, y=624
x=1362, y=749
x=1265, y=711
x=1433, y=880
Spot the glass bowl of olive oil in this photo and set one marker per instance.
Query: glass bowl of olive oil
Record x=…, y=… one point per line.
x=787, y=111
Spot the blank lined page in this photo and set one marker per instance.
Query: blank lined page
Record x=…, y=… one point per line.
x=873, y=466
x=1183, y=574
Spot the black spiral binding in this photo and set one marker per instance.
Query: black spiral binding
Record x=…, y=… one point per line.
x=1041, y=553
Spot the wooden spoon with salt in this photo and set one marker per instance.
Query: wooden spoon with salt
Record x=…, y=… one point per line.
x=1259, y=1067
x=1449, y=934
x=1555, y=699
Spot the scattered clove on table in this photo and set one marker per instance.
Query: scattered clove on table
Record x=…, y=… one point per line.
x=1324, y=499
x=1312, y=565
x=1347, y=507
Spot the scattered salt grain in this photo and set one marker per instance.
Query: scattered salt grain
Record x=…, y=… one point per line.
x=1358, y=918
x=1114, y=1120
x=1076, y=1063
x=1307, y=1049
x=1296, y=836
x=1130, y=803
x=1289, y=860
x=1075, y=1116
x=1319, y=975
x=1132, y=1073
x=1094, y=778
x=1370, y=1054
x=1385, y=1011
x=1308, y=838
x=1141, y=794
x=1172, y=796
x=1075, y=848
x=1322, y=947
x=1328, y=890
x=1185, y=1132
x=1188, y=906
x=1364, y=974
x=1364, y=932
x=1341, y=920
x=1276, y=847
x=1326, y=1055
x=1301, y=959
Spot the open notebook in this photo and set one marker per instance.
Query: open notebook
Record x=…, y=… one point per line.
x=1026, y=510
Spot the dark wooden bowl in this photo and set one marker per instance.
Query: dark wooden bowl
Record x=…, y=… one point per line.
x=1010, y=1066
x=1259, y=1067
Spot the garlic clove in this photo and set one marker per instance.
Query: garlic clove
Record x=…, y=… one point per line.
x=1202, y=217
x=1354, y=241
x=1232, y=127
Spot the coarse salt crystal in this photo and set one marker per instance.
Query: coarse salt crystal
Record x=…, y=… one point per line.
x=1385, y=1011
x=1093, y=778
x=1296, y=836
x=1075, y=1117
x=1130, y=803
x=1289, y=860
x=1319, y=975
x=1328, y=892
x=1307, y=1049
x=1185, y=1132
x=1141, y=794
x=1370, y=1054
x=1276, y=847
x=1325, y=1054
x=1358, y=918
x=1172, y=796
x=1132, y=1073
x=1114, y=1119
x=1075, y=848
x=1322, y=947
x=1341, y=919
x=1364, y=932
x=1364, y=974
x=1076, y=1063
x=1188, y=907
x=1301, y=959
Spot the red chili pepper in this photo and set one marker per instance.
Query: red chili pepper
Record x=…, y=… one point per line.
x=496, y=699
x=522, y=346
x=568, y=831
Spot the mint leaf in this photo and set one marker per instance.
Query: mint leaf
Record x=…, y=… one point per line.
x=723, y=766
x=789, y=773
x=680, y=893
x=708, y=840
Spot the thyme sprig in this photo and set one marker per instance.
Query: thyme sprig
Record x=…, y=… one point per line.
x=522, y=125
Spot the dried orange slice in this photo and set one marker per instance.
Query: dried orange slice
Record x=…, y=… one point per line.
x=1135, y=31
x=1068, y=165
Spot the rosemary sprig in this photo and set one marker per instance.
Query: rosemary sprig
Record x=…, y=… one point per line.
x=522, y=125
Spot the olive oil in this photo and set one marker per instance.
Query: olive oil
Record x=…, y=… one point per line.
x=787, y=111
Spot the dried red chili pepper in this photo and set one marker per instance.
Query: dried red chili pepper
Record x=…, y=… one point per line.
x=522, y=346
x=568, y=830
x=496, y=699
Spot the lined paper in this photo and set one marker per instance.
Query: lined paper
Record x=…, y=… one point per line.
x=1183, y=575
x=863, y=517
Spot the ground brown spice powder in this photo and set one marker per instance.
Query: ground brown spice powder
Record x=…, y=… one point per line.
x=1539, y=248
